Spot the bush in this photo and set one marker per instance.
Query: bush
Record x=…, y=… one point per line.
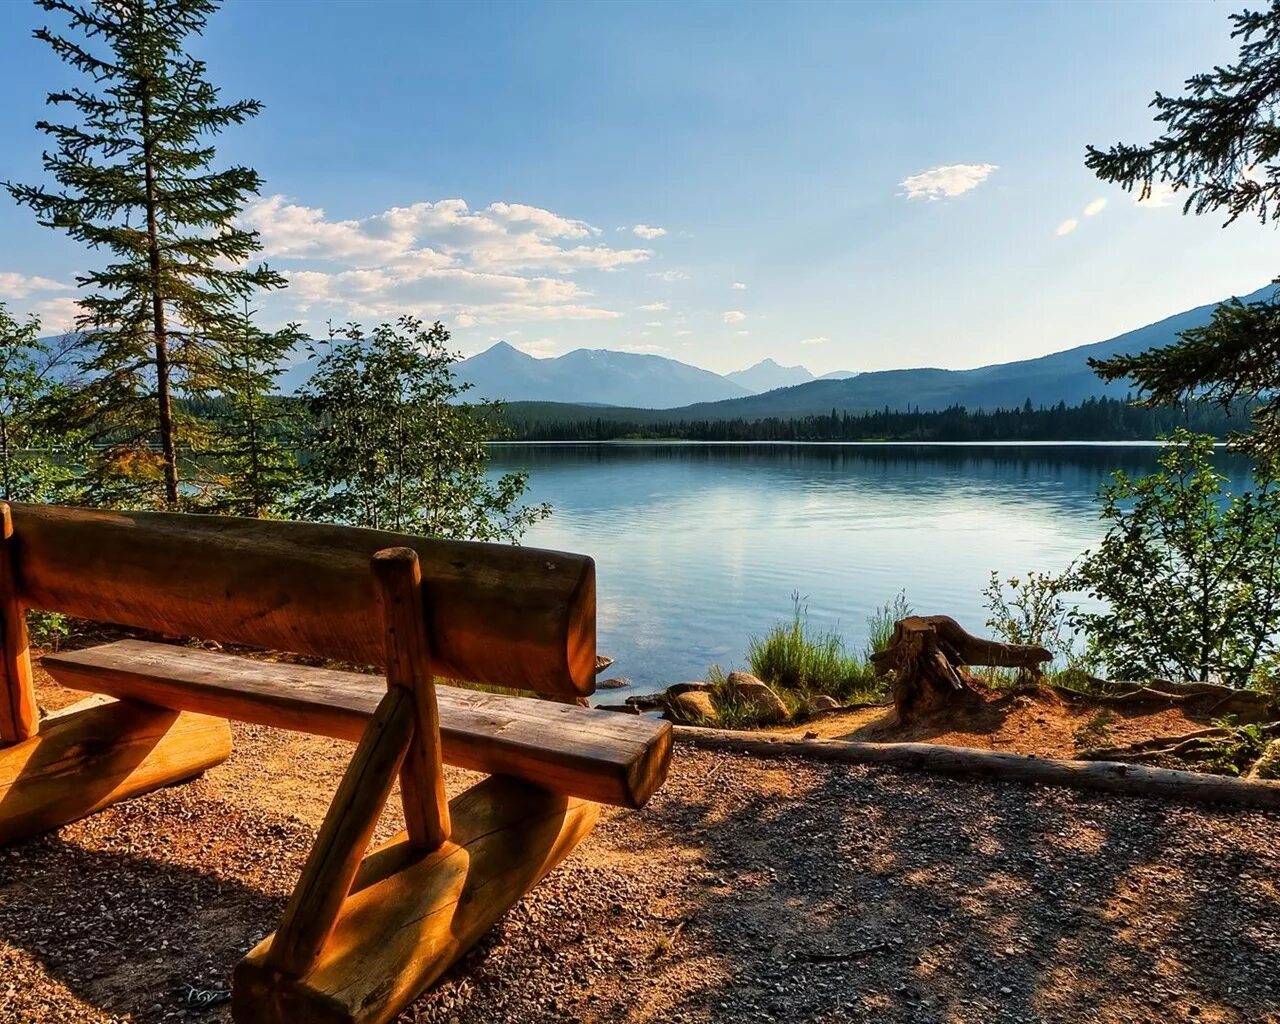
x=1189, y=575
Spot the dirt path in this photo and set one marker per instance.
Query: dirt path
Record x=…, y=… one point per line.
x=746, y=891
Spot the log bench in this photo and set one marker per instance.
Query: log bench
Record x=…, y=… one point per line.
x=365, y=931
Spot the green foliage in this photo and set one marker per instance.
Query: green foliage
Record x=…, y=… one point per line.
x=394, y=448
x=38, y=461
x=257, y=431
x=1189, y=576
x=796, y=659
x=1096, y=732
x=880, y=624
x=1033, y=611
x=135, y=180
x=1233, y=753
x=47, y=630
x=1218, y=147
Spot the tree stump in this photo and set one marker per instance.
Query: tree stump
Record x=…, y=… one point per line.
x=928, y=655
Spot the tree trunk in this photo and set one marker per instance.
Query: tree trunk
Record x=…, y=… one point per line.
x=160, y=336
x=927, y=656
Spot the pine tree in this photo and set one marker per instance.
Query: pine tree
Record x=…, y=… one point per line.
x=256, y=457
x=1220, y=150
x=135, y=178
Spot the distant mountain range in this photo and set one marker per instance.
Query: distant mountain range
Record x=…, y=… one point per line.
x=1047, y=380
x=592, y=377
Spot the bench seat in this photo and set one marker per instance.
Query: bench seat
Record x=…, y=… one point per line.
x=596, y=755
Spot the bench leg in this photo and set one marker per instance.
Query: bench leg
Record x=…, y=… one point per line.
x=410, y=914
x=95, y=753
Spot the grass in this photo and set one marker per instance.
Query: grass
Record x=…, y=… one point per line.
x=799, y=661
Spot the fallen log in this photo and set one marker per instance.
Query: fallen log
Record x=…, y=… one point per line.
x=1103, y=776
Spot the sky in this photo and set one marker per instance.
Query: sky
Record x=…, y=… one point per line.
x=847, y=186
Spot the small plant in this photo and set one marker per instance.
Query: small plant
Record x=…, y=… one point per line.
x=1236, y=751
x=1097, y=732
x=47, y=630
x=1032, y=612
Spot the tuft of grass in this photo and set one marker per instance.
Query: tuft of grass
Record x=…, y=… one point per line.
x=799, y=661
x=880, y=623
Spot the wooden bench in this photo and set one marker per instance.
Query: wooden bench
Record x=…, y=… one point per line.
x=364, y=932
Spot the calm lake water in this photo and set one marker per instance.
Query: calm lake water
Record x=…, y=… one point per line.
x=699, y=546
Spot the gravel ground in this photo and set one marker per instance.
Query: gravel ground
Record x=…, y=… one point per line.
x=747, y=891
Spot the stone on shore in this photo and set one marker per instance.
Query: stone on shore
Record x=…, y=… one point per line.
x=764, y=706
x=694, y=707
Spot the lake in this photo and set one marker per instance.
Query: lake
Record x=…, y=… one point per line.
x=699, y=546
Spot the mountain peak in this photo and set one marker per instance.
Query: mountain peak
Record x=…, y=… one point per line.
x=768, y=375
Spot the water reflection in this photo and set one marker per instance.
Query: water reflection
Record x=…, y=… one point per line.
x=700, y=545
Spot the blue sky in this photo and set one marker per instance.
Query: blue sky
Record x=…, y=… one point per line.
x=851, y=186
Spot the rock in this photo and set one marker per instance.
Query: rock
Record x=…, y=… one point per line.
x=764, y=705
x=820, y=702
x=675, y=689
x=694, y=707
x=616, y=683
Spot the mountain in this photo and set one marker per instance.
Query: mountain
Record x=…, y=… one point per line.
x=593, y=376
x=767, y=375
x=838, y=375
x=1047, y=380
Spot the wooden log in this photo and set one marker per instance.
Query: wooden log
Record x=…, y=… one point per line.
x=312, y=910
x=96, y=753
x=410, y=916
x=1105, y=776
x=500, y=614
x=19, y=713
x=408, y=659
x=593, y=754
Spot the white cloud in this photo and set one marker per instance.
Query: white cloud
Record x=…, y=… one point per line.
x=946, y=181
x=1067, y=226
x=508, y=261
x=655, y=307
x=670, y=276
x=540, y=348
x=1095, y=207
x=58, y=314
x=738, y=286
x=1162, y=195
x=683, y=334
x=733, y=316
x=820, y=340
x=647, y=232
x=19, y=286
x=742, y=334
x=643, y=349
x=654, y=323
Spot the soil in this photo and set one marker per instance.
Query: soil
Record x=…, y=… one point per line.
x=1035, y=722
x=746, y=891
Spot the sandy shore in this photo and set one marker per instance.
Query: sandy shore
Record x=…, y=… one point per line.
x=746, y=891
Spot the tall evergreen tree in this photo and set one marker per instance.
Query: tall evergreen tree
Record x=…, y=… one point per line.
x=135, y=178
x=1220, y=150
x=256, y=458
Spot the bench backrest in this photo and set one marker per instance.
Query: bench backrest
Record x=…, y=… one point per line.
x=496, y=614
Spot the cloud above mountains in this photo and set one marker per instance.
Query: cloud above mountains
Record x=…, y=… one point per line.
x=946, y=181
x=505, y=262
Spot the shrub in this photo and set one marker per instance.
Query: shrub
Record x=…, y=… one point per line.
x=1189, y=576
